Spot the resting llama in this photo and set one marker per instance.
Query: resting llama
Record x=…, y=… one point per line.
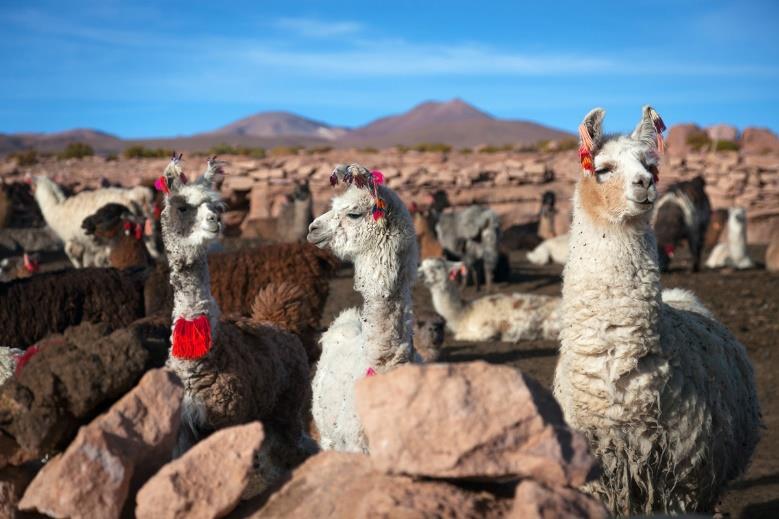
x=504, y=317
x=370, y=226
x=552, y=250
x=733, y=251
x=664, y=393
x=234, y=371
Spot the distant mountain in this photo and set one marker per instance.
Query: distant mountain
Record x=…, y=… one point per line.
x=50, y=142
x=453, y=122
x=280, y=124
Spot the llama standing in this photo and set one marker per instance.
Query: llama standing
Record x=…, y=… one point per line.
x=233, y=372
x=370, y=226
x=665, y=394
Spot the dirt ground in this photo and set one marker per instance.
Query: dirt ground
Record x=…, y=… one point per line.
x=747, y=302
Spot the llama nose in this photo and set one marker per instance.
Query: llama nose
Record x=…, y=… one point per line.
x=313, y=227
x=212, y=217
x=643, y=181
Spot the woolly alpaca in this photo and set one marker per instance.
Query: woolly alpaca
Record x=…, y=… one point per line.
x=295, y=217
x=665, y=394
x=429, y=330
x=733, y=252
x=234, y=372
x=378, y=336
x=114, y=226
x=682, y=213
x=426, y=238
x=546, y=216
x=553, y=250
x=32, y=308
x=471, y=234
x=505, y=317
x=65, y=215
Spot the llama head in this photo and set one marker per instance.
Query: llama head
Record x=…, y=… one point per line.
x=301, y=193
x=437, y=272
x=191, y=217
x=385, y=244
x=620, y=171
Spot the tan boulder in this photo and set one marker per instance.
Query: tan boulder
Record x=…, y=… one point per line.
x=207, y=481
x=112, y=455
x=345, y=486
x=536, y=501
x=759, y=140
x=469, y=421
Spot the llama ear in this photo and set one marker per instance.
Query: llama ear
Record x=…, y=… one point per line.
x=173, y=177
x=214, y=168
x=591, y=129
x=649, y=130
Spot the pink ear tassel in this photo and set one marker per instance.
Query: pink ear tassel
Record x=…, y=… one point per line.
x=586, y=138
x=378, y=177
x=659, y=127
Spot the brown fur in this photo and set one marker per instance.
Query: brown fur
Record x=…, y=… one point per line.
x=716, y=228
x=428, y=244
x=602, y=201
x=5, y=208
x=127, y=252
x=284, y=305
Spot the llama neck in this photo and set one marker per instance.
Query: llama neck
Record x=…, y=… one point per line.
x=386, y=314
x=192, y=290
x=447, y=301
x=611, y=294
x=737, y=241
x=47, y=198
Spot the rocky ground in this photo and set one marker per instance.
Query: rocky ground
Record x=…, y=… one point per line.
x=747, y=302
x=510, y=182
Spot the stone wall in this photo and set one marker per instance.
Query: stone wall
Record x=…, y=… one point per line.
x=512, y=183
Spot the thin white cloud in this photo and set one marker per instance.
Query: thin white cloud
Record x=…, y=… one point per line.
x=313, y=28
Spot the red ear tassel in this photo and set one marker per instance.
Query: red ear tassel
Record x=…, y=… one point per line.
x=161, y=184
x=24, y=358
x=138, y=231
x=585, y=150
x=370, y=372
x=191, y=338
x=660, y=128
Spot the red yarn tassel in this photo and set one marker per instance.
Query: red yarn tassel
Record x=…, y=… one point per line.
x=161, y=184
x=370, y=372
x=192, y=338
x=24, y=358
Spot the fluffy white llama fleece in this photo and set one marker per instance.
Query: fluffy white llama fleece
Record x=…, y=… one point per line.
x=8, y=362
x=65, y=215
x=733, y=251
x=378, y=336
x=665, y=394
x=504, y=317
x=553, y=250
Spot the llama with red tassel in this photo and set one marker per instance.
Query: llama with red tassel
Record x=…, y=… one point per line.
x=234, y=371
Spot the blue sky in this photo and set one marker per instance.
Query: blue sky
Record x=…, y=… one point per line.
x=172, y=68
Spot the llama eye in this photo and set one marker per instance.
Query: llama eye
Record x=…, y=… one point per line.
x=602, y=171
x=354, y=216
x=182, y=209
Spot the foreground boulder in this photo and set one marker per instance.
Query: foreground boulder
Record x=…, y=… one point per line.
x=536, y=501
x=113, y=455
x=342, y=485
x=207, y=481
x=471, y=421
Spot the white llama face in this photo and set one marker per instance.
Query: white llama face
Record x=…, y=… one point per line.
x=622, y=186
x=435, y=272
x=192, y=217
x=348, y=228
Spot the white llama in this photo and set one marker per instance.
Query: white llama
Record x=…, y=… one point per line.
x=64, y=216
x=377, y=337
x=733, y=251
x=665, y=394
x=504, y=317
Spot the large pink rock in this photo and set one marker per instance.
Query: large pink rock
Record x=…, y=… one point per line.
x=536, y=501
x=678, y=135
x=207, y=481
x=346, y=486
x=759, y=140
x=722, y=132
x=112, y=455
x=469, y=421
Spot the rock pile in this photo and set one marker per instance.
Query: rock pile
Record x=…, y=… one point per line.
x=449, y=440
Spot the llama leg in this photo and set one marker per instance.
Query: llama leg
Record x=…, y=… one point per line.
x=696, y=247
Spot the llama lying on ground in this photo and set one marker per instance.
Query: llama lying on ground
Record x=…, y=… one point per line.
x=116, y=228
x=234, y=371
x=65, y=215
x=504, y=317
x=682, y=213
x=553, y=250
x=664, y=393
x=370, y=226
x=733, y=251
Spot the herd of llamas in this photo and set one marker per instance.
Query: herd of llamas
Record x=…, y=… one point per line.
x=663, y=392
